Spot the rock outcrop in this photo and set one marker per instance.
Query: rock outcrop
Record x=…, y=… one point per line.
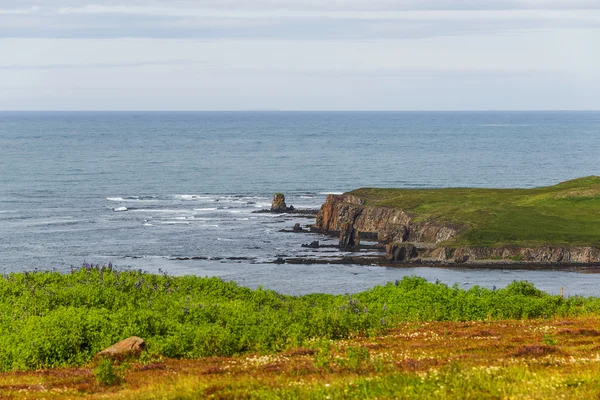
x=389, y=224
x=349, y=236
x=542, y=254
x=278, y=203
x=401, y=251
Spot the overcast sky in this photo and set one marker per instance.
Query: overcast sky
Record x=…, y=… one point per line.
x=299, y=55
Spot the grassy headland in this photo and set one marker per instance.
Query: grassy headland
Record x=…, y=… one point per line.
x=564, y=214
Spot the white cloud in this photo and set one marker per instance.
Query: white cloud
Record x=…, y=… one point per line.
x=326, y=4
x=426, y=15
x=294, y=19
x=19, y=11
x=296, y=54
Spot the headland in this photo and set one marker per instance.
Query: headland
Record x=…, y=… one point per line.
x=546, y=226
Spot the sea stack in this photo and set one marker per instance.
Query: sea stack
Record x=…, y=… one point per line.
x=278, y=204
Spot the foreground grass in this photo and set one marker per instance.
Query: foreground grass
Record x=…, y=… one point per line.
x=52, y=320
x=565, y=214
x=534, y=359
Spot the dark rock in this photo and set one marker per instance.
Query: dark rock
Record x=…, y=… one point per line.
x=312, y=245
x=279, y=261
x=399, y=251
x=130, y=347
x=297, y=228
x=461, y=259
x=349, y=237
x=405, y=233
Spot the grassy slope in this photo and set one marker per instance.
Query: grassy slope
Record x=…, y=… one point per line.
x=540, y=359
x=55, y=320
x=565, y=214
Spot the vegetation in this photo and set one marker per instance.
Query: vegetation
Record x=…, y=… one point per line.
x=565, y=214
x=416, y=360
x=107, y=374
x=48, y=319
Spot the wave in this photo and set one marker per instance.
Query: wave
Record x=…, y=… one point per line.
x=120, y=209
x=55, y=222
x=193, y=197
x=132, y=198
x=206, y=209
x=338, y=193
x=161, y=210
x=506, y=125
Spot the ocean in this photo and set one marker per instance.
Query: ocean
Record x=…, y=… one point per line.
x=145, y=189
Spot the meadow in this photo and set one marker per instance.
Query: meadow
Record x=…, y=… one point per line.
x=49, y=319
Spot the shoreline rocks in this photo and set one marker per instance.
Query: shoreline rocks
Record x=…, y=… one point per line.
x=278, y=204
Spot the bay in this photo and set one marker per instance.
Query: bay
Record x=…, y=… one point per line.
x=141, y=189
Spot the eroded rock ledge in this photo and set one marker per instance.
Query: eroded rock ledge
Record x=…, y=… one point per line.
x=407, y=240
x=389, y=224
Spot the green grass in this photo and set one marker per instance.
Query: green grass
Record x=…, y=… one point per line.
x=564, y=214
x=48, y=319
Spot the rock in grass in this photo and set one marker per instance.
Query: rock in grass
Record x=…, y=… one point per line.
x=130, y=347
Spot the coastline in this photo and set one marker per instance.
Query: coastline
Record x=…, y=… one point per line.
x=406, y=238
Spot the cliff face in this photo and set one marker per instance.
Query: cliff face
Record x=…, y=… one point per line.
x=542, y=254
x=390, y=224
x=394, y=227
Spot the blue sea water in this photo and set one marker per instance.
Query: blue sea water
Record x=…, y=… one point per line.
x=141, y=189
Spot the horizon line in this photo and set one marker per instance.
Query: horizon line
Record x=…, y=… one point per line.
x=300, y=110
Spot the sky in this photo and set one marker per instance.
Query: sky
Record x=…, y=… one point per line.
x=300, y=55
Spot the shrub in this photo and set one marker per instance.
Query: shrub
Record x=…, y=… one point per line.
x=49, y=319
x=106, y=374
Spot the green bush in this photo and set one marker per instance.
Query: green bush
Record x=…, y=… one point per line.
x=107, y=374
x=49, y=319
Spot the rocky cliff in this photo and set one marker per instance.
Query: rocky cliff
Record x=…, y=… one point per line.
x=406, y=240
x=542, y=254
x=389, y=224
